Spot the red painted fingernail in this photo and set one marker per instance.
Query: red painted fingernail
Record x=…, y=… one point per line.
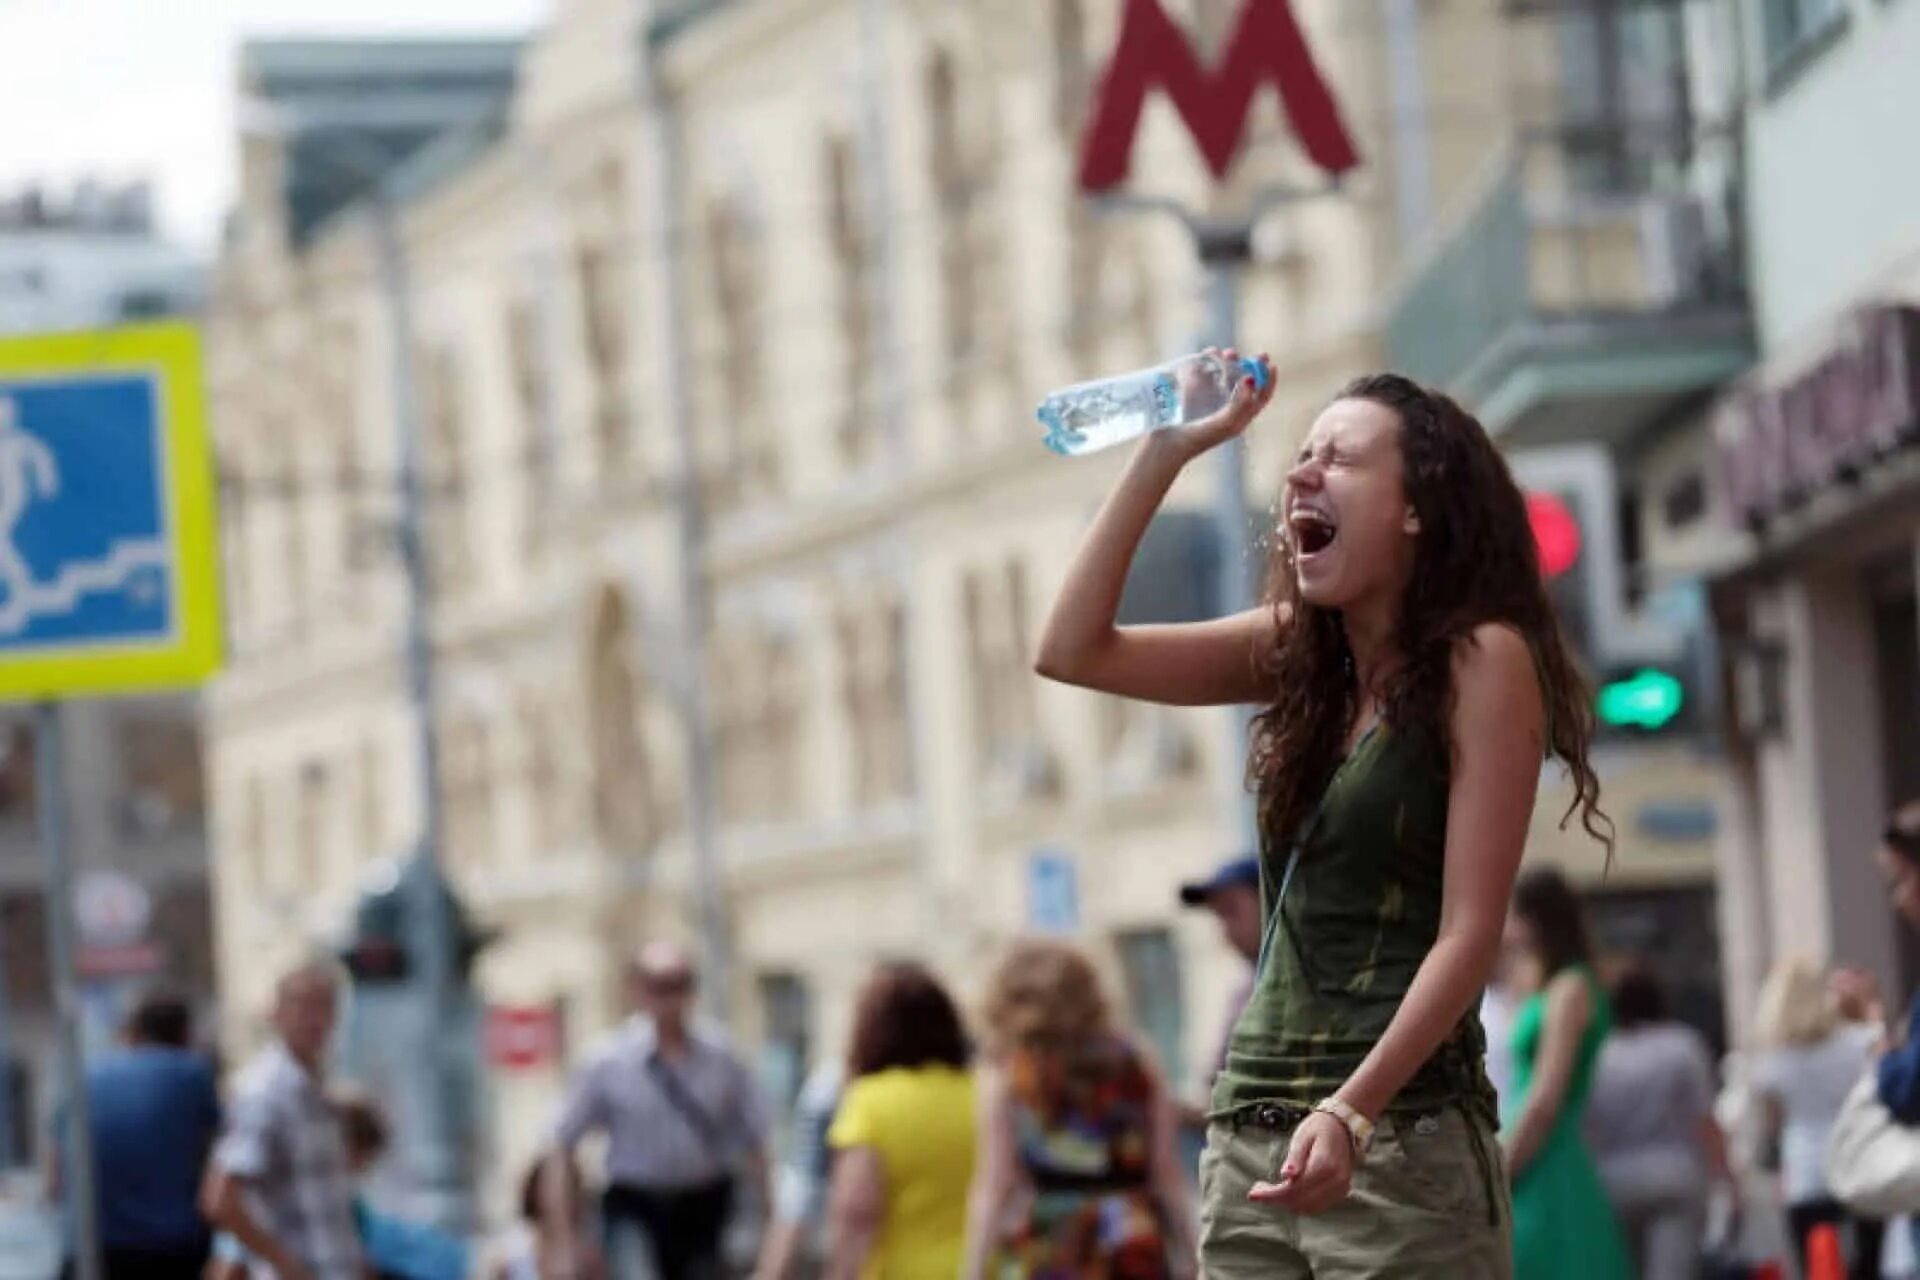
x=1247, y=383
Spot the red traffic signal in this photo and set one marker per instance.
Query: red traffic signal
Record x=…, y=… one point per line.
x=1555, y=532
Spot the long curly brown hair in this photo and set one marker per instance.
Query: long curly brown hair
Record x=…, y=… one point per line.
x=1475, y=562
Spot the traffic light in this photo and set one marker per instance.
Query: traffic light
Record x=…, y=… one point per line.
x=393, y=920
x=376, y=948
x=1648, y=700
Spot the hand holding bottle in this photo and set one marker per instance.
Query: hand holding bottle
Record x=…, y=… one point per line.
x=1246, y=395
x=1196, y=402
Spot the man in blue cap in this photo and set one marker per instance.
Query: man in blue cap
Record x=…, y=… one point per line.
x=1232, y=893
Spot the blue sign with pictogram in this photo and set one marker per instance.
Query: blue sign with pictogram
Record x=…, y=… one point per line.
x=107, y=574
x=1053, y=892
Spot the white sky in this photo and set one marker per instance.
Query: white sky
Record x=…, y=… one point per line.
x=130, y=88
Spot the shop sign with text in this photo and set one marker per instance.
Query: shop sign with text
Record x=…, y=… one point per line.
x=1777, y=446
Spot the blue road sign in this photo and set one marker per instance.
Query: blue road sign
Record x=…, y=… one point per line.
x=1053, y=892
x=107, y=574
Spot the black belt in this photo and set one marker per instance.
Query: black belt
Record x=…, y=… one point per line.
x=1274, y=1117
x=624, y=1199
x=1105, y=1184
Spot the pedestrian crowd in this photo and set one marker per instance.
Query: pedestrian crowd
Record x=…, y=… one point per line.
x=263, y=1185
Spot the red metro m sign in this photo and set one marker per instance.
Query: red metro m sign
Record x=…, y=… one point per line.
x=1267, y=45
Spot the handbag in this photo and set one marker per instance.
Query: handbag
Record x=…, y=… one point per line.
x=1873, y=1161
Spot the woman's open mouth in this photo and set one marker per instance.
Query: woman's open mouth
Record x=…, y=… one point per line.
x=1312, y=532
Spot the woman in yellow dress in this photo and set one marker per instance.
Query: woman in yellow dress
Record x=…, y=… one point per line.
x=903, y=1139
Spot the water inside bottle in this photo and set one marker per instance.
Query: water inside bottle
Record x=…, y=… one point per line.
x=1096, y=415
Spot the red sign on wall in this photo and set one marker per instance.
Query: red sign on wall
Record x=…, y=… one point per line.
x=522, y=1037
x=1153, y=50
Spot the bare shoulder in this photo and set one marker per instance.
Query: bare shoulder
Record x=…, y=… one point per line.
x=1493, y=671
x=1493, y=650
x=1569, y=996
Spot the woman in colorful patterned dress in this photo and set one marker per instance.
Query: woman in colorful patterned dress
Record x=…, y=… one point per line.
x=1078, y=1173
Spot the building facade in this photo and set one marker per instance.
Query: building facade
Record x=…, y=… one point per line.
x=1817, y=497
x=811, y=262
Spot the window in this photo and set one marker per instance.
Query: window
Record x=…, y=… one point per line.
x=756, y=727
x=467, y=768
x=1685, y=500
x=316, y=786
x=748, y=464
x=532, y=391
x=546, y=800
x=623, y=785
x=1072, y=84
x=1150, y=964
x=253, y=830
x=1790, y=29
x=786, y=1007
x=236, y=528
x=370, y=824
x=1005, y=714
x=354, y=486
x=1110, y=289
x=604, y=314
x=444, y=469
x=847, y=235
x=954, y=193
x=872, y=638
x=289, y=487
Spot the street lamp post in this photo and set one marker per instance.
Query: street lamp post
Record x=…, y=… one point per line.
x=445, y=1193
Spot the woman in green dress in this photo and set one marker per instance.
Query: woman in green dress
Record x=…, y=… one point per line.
x=1563, y=1225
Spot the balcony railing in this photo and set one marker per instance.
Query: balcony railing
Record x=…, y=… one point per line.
x=1581, y=239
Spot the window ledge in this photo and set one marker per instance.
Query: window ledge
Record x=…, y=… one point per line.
x=1787, y=65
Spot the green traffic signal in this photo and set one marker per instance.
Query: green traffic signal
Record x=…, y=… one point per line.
x=1644, y=700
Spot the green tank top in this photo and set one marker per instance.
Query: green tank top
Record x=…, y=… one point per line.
x=1342, y=942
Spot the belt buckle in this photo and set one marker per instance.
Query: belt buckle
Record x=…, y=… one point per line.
x=1268, y=1116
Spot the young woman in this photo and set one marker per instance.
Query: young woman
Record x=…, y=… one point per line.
x=1812, y=1055
x=903, y=1138
x=1898, y=1069
x=1078, y=1175
x=1413, y=678
x=1650, y=1125
x=1563, y=1223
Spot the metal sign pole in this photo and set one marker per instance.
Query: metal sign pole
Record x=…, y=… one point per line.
x=76, y=1164
x=7, y=1146
x=1222, y=252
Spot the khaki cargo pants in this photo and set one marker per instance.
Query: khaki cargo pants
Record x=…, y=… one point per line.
x=1430, y=1201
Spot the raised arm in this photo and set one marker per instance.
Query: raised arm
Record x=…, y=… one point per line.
x=1190, y=664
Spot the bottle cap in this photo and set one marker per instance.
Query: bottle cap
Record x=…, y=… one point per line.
x=1257, y=371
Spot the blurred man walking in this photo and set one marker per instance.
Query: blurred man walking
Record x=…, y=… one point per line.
x=154, y=1113
x=682, y=1119
x=279, y=1182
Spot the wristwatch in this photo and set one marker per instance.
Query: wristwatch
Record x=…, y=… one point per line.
x=1359, y=1128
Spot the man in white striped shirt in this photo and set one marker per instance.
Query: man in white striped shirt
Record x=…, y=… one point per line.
x=683, y=1119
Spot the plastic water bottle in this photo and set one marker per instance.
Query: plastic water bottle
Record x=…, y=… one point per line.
x=1090, y=416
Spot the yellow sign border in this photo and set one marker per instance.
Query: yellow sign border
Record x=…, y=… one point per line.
x=170, y=354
